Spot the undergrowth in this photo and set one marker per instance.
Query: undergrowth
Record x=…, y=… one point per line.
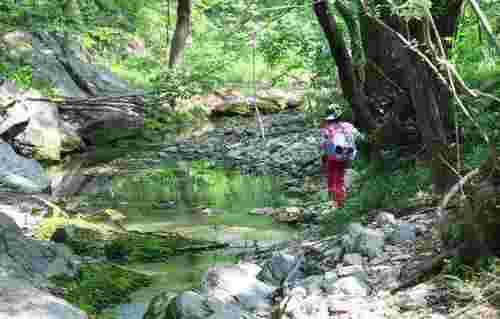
x=377, y=189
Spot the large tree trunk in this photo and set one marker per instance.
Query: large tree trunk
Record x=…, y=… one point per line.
x=181, y=34
x=352, y=87
x=398, y=85
x=410, y=83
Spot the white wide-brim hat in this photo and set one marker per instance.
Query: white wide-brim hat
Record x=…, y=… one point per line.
x=331, y=117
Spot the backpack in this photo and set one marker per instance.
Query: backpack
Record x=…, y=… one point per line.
x=340, y=145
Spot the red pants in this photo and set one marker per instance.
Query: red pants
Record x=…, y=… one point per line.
x=336, y=171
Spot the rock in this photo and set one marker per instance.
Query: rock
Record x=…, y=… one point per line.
x=68, y=179
x=32, y=261
x=157, y=307
x=110, y=127
x=62, y=68
x=359, y=239
x=401, y=232
x=35, y=126
x=42, y=133
x=13, y=113
x=27, y=212
x=333, y=306
x=349, y=286
x=334, y=254
x=288, y=215
x=278, y=269
x=190, y=305
x=230, y=283
x=211, y=211
x=16, y=46
x=265, y=211
x=29, y=302
x=101, y=185
x=414, y=298
x=353, y=260
x=19, y=173
x=351, y=270
x=48, y=69
x=384, y=219
x=281, y=98
x=317, y=284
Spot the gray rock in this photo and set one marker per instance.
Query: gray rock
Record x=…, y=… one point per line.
x=14, y=115
x=42, y=133
x=28, y=303
x=47, y=67
x=31, y=261
x=351, y=270
x=401, y=232
x=51, y=63
x=190, y=305
x=110, y=127
x=384, y=219
x=414, y=298
x=228, y=283
x=19, y=173
x=278, y=269
x=350, y=286
x=25, y=211
x=157, y=307
x=353, y=260
x=359, y=239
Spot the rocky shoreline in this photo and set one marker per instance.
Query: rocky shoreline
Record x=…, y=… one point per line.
x=349, y=275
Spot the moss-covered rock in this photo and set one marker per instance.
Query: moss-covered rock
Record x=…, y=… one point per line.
x=100, y=239
x=99, y=286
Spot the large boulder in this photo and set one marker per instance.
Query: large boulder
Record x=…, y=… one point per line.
x=19, y=173
x=34, y=127
x=26, y=211
x=283, y=99
x=230, y=101
x=110, y=127
x=191, y=305
x=42, y=133
x=29, y=302
x=61, y=68
x=25, y=262
x=280, y=267
x=234, y=283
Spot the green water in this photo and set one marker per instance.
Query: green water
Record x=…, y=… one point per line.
x=175, y=196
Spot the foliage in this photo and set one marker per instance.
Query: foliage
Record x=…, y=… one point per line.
x=319, y=101
x=21, y=74
x=378, y=190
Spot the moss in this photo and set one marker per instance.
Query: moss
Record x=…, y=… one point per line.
x=97, y=239
x=140, y=247
x=94, y=231
x=100, y=286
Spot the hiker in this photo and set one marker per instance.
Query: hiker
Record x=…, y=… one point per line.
x=339, y=150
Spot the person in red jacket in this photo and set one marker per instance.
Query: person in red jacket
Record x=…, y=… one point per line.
x=339, y=150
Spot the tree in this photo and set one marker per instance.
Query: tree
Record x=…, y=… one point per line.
x=386, y=66
x=181, y=33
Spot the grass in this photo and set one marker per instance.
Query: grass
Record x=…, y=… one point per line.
x=378, y=190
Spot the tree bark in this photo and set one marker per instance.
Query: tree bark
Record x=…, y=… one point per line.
x=351, y=85
x=181, y=33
